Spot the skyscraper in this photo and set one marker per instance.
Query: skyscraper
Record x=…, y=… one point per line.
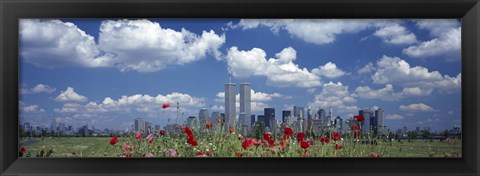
x=252, y=120
x=230, y=110
x=367, y=114
x=139, y=126
x=298, y=112
x=338, y=124
x=148, y=127
x=380, y=125
x=269, y=116
x=245, y=104
x=203, y=117
x=214, y=118
x=285, y=115
x=309, y=119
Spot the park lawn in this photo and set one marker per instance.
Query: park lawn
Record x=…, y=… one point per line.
x=100, y=147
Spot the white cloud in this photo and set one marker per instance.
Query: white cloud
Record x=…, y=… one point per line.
x=416, y=80
x=328, y=70
x=70, y=95
x=416, y=107
x=39, y=88
x=145, y=46
x=280, y=72
x=138, y=45
x=394, y=33
x=394, y=117
x=387, y=93
x=53, y=43
x=335, y=95
x=324, y=31
x=367, y=68
x=24, y=108
x=446, y=41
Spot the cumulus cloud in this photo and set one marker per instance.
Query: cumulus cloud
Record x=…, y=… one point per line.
x=367, y=68
x=394, y=117
x=39, y=88
x=280, y=71
x=24, y=108
x=335, y=95
x=387, y=93
x=328, y=70
x=417, y=80
x=446, y=39
x=324, y=31
x=416, y=107
x=138, y=45
x=69, y=95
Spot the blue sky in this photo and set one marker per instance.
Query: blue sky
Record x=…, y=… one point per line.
x=106, y=72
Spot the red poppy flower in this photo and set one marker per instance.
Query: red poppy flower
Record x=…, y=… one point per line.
x=126, y=155
x=230, y=129
x=271, y=142
x=267, y=136
x=188, y=131
x=255, y=142
x=209, y=152
x=338, y=147
x=304, y=145
x=283, y=144
x=375, y=155
x=336, y=136
x=165, y=105
x=192, y=141
x=23, y=150
x=359, y=118
x=208, y=125
x=199, y=153
x=355, y=127
x=325, y=140
x=138, y=135
x=288, y=131
x=311, y=142
x=238, y=154
x=114, y=140
x=285, y=137
x=300, y=136
x=247, y=143
x=162, y=132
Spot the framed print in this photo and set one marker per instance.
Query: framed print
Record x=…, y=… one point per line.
x=239, y=87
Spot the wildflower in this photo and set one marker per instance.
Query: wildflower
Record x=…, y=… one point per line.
x=23, y=150
x=240, y=137
x=267, y=136
x=338, y=147
x=359, y=118
x=247, y=143
x=126, y=147
x=165, y=105
x=208, y=125
x=288, y=131
x=300, y=136
x=355, y=127
x=209, y=152
x=199, y=153
x=238, y=154
x=138, y=135
x=324, y=140
x=150, y=138
x=336, y=136
x=188, y=131
x=114, y=140
x=283, y=144
x=149, y=155
x=230, y=129
x=374, y=155
x=126, y=155
x=356, y=134
x=255, y=142
x=305, y=154
x=284, y=137
x=304, y=145
x=311, y=142
x=162, y=132
x=172, y=152
x=192, y=141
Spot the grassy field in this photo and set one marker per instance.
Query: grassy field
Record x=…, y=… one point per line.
x=231, y=146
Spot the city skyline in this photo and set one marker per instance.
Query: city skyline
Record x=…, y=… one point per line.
x=88, y=74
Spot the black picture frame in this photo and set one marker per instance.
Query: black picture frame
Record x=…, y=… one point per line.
x=12, y=10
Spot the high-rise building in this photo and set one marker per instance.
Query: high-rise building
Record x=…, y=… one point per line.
x=157, y=128
x=285, y=115
x=262, y=118
x=252, y=119
x=245, y=104
x=148, y=127
x=338, y=124
x=192, y=122
x=139, y=126
x=214, y=118
x=309, y=119
x=203, y=117
x=380, y=118
x=298, y=112
x=367, y=114
x=230, y=109
x=269, y=116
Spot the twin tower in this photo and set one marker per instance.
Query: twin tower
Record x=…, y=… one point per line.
x=244, y=117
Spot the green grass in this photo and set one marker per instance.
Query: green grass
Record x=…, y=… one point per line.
x=227, y=146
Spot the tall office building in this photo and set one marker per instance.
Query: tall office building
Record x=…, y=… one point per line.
x=192, y=122
x=368, y=115
x=309, y=119
x=245, y=104
x=230, y=109
x=338, y=124
x=203, y=117
x=380, y=118
x=148, y=127
x=285, y=116
x=215, y=118
x=252, y=120
x=139, y=126
x=298, y=112
x=269, y=116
